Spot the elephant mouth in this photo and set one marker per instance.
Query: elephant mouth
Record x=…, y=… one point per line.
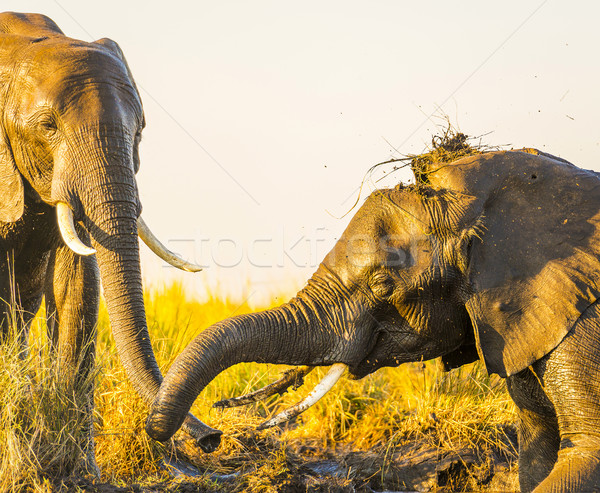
x=390, y=347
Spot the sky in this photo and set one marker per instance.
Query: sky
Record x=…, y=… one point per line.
x=264, y=117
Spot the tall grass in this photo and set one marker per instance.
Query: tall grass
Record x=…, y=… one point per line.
x=40, y=417
x=44, y=418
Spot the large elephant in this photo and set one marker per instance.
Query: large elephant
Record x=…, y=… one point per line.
x=70, y=125
x=496, y=256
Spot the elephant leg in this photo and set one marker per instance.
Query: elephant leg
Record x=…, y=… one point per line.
x=539, y=438
x=21, y=292
x=72, y=299
x=571, y=378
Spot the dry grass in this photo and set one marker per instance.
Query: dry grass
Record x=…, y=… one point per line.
x=446, y=147
x=464, y=408
x=44, y=419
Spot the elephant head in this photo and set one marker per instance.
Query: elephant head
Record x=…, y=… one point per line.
x=495, y=256
x=71, y=120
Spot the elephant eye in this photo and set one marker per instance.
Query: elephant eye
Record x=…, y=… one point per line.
x=48, y=126
x=382, y=285
x=397, y=257
x=395, y=253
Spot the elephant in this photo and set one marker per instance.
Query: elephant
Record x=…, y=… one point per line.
x=493, y=256
x=71, y=119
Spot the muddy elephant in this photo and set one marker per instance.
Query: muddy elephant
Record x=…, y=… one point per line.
x=494, y=256
x=70, y=125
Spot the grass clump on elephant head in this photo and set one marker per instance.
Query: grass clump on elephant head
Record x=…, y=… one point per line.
x=445, y=148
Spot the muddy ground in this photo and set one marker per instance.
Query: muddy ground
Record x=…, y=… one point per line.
x=414, y=466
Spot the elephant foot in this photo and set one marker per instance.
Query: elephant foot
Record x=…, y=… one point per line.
x=88, y=467
x=577, y=470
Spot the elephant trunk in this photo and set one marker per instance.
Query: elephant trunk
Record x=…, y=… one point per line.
x=118, y=261
x=109, y=209
x=295, y=333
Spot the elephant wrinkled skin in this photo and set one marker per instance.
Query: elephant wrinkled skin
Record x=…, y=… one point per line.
x=494, y=256
x=70, y=125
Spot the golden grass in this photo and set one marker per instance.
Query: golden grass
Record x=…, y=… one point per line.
x=44, y=419
x=378, y=413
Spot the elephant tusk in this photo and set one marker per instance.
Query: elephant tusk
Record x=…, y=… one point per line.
x=161, y=251
x=293, y=377
x=324, y=386
x=69, y=235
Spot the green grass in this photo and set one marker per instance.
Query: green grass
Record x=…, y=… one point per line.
x=40, y=417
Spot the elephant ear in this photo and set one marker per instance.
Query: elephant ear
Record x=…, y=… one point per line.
x=535, y=268
x=15, y=26
x=12, y=199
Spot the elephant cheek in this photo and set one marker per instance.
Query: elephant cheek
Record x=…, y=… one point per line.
x=384, y=353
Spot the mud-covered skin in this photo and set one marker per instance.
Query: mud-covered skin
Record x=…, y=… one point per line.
x=558, y=399
x=571, y=379
x=496, y=255
x=70, y=126
x=539, y=437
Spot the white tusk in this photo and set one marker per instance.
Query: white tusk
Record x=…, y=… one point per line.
x=161, y=251
x=324, y=386
x=66, y=225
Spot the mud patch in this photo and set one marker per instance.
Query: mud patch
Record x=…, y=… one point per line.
x=414, y=466
x=266, y=462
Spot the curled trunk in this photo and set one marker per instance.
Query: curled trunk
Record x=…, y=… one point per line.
x=278, y=336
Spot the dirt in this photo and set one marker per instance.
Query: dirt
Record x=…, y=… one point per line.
x=414, y=466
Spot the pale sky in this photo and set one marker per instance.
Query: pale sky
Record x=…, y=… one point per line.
x=263, y=117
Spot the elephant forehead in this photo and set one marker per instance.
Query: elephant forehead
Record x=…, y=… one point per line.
x=56, y=63
x=60, y=51
x=80, y=78
x=392, y=211
x=378, y=220
x=376, y=235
